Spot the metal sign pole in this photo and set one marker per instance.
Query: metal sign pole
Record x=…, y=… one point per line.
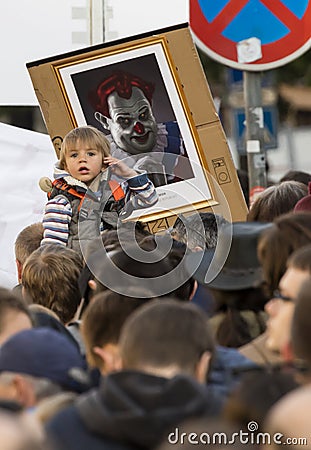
x=96, y=17
x=256, y=157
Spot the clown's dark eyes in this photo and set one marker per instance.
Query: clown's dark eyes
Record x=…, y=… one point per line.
x=124, y=121
x=144, y=115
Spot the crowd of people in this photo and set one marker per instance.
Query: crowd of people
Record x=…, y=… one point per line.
x=128, y=340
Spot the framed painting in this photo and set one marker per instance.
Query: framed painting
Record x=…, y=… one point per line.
x=137, y=93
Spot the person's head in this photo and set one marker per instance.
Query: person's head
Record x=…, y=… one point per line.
x=288, y=233
x=167, y=338
x=27, y=241
x=304, y=204
x=46, y=318
x=281, y=307
x=198, y=231
x=14, y=315
x=123, y=107
x=289, y=420
x=238, y=315
x=233, y=265
x=233, y=275
x=296, y=175
x=37, y=363
x=254, y=396
x=142, y=267
x=101, y=326
x=126, y=233
x=276, y=200
x=50, y=278
x=82, y=153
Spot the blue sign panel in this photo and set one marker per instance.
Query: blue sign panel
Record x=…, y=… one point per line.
x=270, y=128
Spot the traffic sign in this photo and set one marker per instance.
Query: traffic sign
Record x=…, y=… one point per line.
x=270, y=122
x=252, y=34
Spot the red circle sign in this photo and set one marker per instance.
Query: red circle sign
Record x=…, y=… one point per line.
x=252, y=34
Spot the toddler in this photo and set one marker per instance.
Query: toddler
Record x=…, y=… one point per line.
x=81, y=169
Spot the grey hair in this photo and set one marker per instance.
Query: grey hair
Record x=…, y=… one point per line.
x=198, y=230
x=43, y=387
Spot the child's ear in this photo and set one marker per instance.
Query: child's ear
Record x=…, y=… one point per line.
x=62, y=164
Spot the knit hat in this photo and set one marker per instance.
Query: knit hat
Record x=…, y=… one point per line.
x=45, y=353
x=304, y=204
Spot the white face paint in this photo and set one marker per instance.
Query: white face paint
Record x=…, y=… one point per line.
x=132, y=124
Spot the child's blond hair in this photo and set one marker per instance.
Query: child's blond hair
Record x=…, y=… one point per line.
x=88, y=135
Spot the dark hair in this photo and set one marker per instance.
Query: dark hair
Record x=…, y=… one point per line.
x=110, y=240
x=240, y=314
x=103, y=319
x=175, y=258
x=256, y=393
x=164, y=333
x=276, y=200
x=296, y=175
x=288, y=233
x=301, y=259
x=50, y=278
x=125, y=234
x=180, y=285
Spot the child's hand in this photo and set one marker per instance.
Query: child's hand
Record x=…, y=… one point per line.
x=119, y=167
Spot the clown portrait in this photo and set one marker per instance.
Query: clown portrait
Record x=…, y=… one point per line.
x=132, y=108
x=124, y=109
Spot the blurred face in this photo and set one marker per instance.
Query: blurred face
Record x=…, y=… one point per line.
x=132, y=124
x=84, y=162
x=280, y=311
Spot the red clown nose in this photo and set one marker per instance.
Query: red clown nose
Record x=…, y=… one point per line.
x=139, y=128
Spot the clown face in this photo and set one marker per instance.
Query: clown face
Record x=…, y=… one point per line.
x=132, y=124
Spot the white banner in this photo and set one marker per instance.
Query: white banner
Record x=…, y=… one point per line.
x=25, y=156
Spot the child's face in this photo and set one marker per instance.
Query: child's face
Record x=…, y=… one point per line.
x=84, y=162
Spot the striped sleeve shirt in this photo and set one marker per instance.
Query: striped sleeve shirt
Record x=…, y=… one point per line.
x=56, y=221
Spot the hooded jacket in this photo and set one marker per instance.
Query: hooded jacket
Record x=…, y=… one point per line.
x=130, y=410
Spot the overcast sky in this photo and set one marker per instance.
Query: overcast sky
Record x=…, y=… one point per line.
x=131, y=17
x=44, y=28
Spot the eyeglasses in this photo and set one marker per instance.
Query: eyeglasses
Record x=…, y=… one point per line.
x=277, y=294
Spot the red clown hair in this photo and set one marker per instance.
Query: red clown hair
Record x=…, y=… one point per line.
x=122, y=83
